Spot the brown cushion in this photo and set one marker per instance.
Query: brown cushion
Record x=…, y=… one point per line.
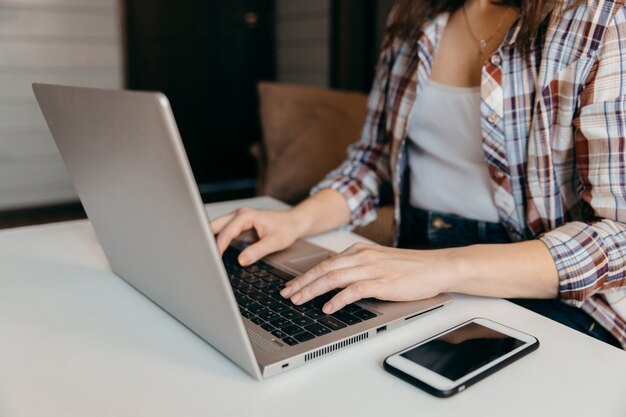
x=306, y=131
x=381, y=229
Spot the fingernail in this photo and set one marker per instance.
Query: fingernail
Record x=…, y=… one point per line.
x=285, y=292
x=243, y=260
x=296, y=297
x=328, y=307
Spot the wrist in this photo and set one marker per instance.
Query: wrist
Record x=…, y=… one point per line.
x=461, y=268
x=300, y=221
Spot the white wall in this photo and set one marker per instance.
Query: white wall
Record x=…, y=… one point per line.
x=303, y=41
x=75, y=42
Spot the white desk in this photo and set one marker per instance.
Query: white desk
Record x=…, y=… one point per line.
x=75, y=340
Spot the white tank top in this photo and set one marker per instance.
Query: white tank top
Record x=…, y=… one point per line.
x=447, y=166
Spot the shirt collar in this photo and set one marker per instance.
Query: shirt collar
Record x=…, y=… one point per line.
x=511, y=36
x=433, y=29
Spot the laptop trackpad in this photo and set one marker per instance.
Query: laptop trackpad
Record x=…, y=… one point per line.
x=299, y=257
x=305, y=263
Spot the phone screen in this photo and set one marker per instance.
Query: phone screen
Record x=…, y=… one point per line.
x=462, y=351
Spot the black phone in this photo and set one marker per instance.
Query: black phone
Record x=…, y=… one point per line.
x=451, y=361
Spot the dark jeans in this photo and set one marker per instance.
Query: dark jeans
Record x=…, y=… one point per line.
x=431, y=230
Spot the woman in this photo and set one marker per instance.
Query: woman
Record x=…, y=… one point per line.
x=501, y=126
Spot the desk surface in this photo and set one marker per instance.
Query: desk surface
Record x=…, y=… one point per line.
x=75, y=340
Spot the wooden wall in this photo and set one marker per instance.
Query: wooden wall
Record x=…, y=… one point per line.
x=75, y=42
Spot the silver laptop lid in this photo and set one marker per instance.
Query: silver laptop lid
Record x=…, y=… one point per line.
x=128, y=164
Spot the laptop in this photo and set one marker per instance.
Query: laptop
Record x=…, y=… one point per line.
x=125, y=156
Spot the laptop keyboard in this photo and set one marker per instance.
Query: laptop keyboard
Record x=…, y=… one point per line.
x=257, y=290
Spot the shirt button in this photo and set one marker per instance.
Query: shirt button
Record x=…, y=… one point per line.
x=492, y=118
x=439, y=223
x=495, y=59
x=499, y=175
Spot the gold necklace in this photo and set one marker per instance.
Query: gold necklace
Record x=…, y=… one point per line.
x=482, y=43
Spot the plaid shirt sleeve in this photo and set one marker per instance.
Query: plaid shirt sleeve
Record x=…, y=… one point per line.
x=359, y=177
x=591, y=257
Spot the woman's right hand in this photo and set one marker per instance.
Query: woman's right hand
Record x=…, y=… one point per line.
x=276, y=230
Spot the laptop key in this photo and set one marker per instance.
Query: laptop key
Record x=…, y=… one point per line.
x=260, y=284
x=262, y=311
x=252, y=268
x=302, y=320
x=280, y=322
x=315, y=314
x=266, y=301
x=255, y=308
x=351, y=308
x=268, y=327
x=256, y=294
x=246, y=289
x=364, y=314
x=304, y=308
x=278, y=307
x=279, y=334
x=252, y=279
x=269, y=315
x=303, y=337
x=245, y=301
x=292, y=329
x=347, y=318
x=238, y=285
x=321, y=300
x=246, y=314
x=257, y=320
x=290, y=314
x=261, y=273
x=271, y=289
x=290, y=341
x=332, y=323
x=278, y=297
x=317, y=329
x=271, y=279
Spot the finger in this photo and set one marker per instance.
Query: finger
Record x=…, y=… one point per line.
x=341, y=260
x=355, y=248
x=351, y=294
x=237, y=225
x=339, y=278
x=218, y=224
x=258, y=250
x=336, y=262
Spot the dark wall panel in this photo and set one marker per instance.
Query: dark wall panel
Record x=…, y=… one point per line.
x=207, y=57
x=357, y=31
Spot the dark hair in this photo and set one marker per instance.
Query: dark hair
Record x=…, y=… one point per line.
x=408, y=17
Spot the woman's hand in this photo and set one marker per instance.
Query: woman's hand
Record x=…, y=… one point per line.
x=510, y=270
x=365, y=271
x=276, y=230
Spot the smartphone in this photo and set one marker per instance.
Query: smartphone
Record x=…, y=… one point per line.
x=449, y=362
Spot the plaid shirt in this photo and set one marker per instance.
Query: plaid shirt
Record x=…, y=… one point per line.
x=554, y=139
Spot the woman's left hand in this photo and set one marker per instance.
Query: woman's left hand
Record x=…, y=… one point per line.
x=365, y=271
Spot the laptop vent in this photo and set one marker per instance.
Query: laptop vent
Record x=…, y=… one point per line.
x=334, y=347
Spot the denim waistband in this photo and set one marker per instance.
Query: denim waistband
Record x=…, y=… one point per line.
x=431, y=229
